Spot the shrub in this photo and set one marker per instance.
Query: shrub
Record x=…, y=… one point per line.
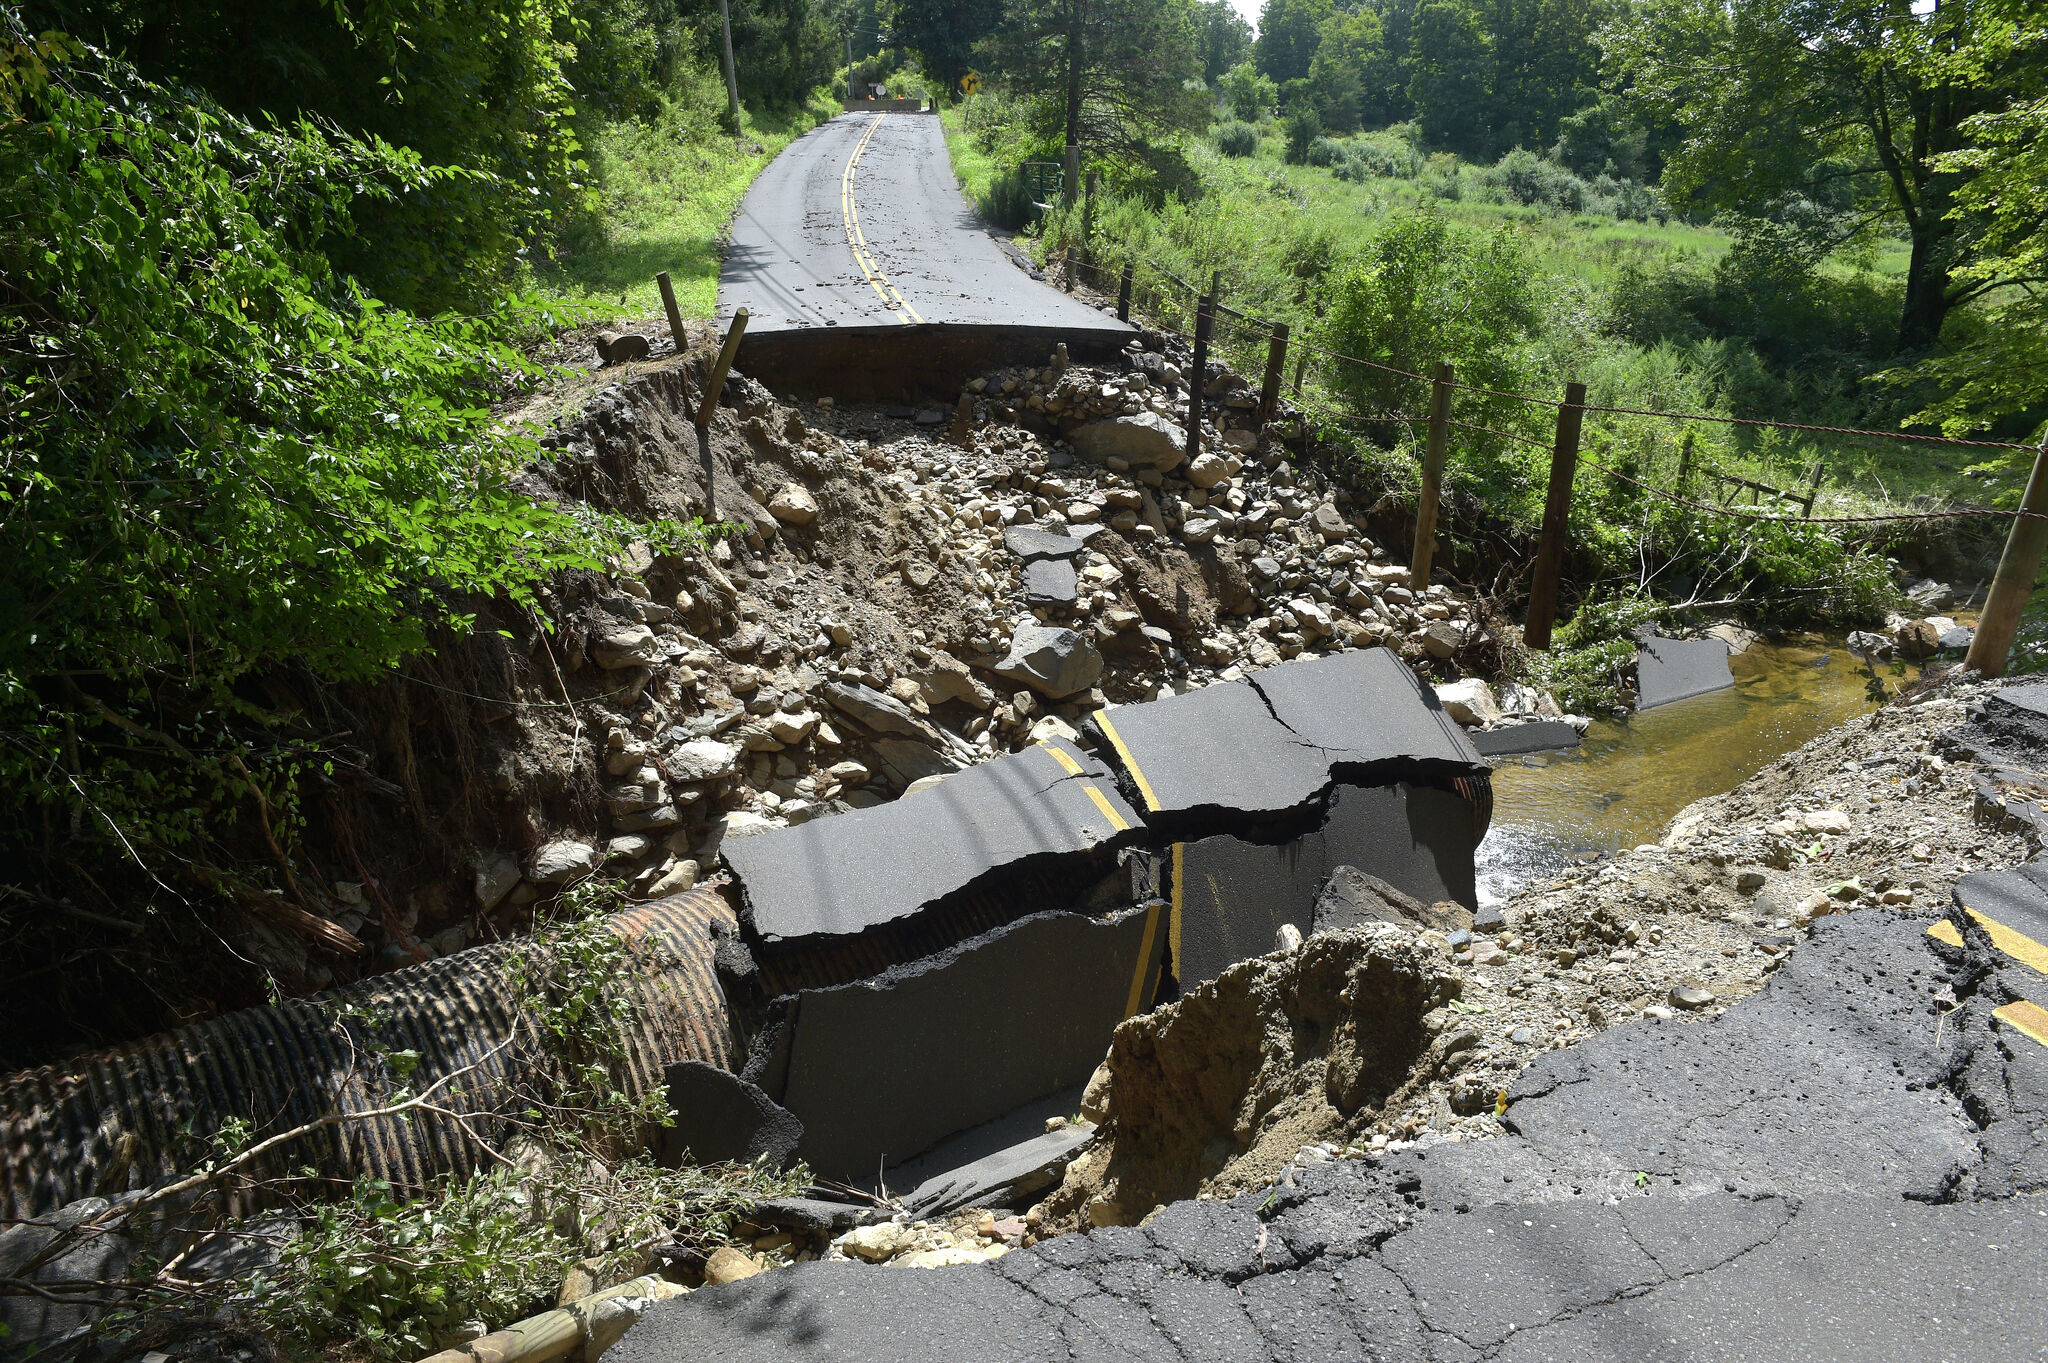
x=1425, y=291
x=1304, y=126
x=1237, y=139
x=1008, y=203
x=1249, y=95
x=1527, y=178
x=1326, y=151
x=221, y=459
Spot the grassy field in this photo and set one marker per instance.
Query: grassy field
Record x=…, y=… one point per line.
x=1278, y=233
x=668, y=189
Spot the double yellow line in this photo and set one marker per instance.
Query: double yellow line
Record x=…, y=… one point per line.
x=892, y=297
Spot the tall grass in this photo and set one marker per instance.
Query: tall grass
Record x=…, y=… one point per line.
x=667, y=188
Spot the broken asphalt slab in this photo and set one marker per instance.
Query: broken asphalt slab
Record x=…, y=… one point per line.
x=1679, y=669
x=1753, y=1186
x=1233, y=894
x=882, y=1070
x=1515, y=740
x=1275, y=742
x=851, y=872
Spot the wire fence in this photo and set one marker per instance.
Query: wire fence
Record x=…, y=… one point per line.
x=1172, y=303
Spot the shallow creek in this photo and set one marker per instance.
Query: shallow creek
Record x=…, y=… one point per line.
x=1631, y=776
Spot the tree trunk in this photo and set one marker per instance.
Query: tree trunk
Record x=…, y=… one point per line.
x=1927, y=287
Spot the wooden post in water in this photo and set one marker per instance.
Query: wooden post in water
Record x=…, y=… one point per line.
x=2017, y=568
x=1557, y=506
x=1204, y=311
x=675, y=314
x=715, y=385
x=1276, y=368
x=1421, y=558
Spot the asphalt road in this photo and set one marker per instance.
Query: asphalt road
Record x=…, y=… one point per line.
x=861, y=223
x=1835, y=1169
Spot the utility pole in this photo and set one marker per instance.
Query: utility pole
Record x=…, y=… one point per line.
x=1078, y=10
x=732, y=81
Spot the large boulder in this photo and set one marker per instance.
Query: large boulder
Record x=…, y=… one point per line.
x=792, y=505
x=563, y=860
x=626, y=646
x=1053, y=662
x=1469, y=701
x=1142, y=439
x=703, y=759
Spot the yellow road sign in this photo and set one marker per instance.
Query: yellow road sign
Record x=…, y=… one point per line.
x=970, y=82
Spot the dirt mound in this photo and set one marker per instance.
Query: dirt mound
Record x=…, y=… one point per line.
x=1217, y=1091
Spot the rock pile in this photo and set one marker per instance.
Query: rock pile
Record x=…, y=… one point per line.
x=898, y=604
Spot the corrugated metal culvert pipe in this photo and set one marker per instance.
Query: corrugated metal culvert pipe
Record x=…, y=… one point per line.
x=133, y=1116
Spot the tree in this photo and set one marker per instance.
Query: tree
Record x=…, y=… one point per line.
x=1288, y=33
x=2001, y=370
x=1226, y=39
x=944, y=33
x=1111, y=75
x=1351, y=71
x=1843, y=101
x=1250, y=95
x=1452, y=77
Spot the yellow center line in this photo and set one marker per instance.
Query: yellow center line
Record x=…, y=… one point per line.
x=885, y=289
x=1117, y=821
x=2026, y=1017
x=1173, y=923
x=1144, y=960
x=1123, y=750
x=2011, y=941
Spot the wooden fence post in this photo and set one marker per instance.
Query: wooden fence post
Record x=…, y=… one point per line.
x=715, y=385
x=1300, y=369
x=1123, y=292
x=1088, y=217
x=2017, y=568
x=1685, y=461
x=1557, y=506
x=1813, y=488
x=1276, y=368
x=1204, y=311
x=675, y=314
x=1420, y=560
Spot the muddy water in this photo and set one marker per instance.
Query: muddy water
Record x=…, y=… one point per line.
x=1631, y=776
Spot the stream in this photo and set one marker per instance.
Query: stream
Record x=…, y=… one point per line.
x=1631, y=776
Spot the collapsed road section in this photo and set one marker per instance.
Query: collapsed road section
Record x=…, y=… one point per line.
x=1060, y=892
x=897, y=975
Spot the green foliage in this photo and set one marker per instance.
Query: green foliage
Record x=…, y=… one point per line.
x=1423, y=292
x=1237, y=139
x=1119, y=78
x=1226, y=39
x=1304, y=126
x=1289, y=31
x=219, y=459
x=1249, y=95
x=667, y=183
x=1995, y=375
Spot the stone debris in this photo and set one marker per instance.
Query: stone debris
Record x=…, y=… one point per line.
x=1040, y=550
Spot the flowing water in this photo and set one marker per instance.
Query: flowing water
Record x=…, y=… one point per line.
x=1631, y=776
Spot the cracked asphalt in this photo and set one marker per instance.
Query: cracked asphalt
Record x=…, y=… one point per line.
x=1835, y=1168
